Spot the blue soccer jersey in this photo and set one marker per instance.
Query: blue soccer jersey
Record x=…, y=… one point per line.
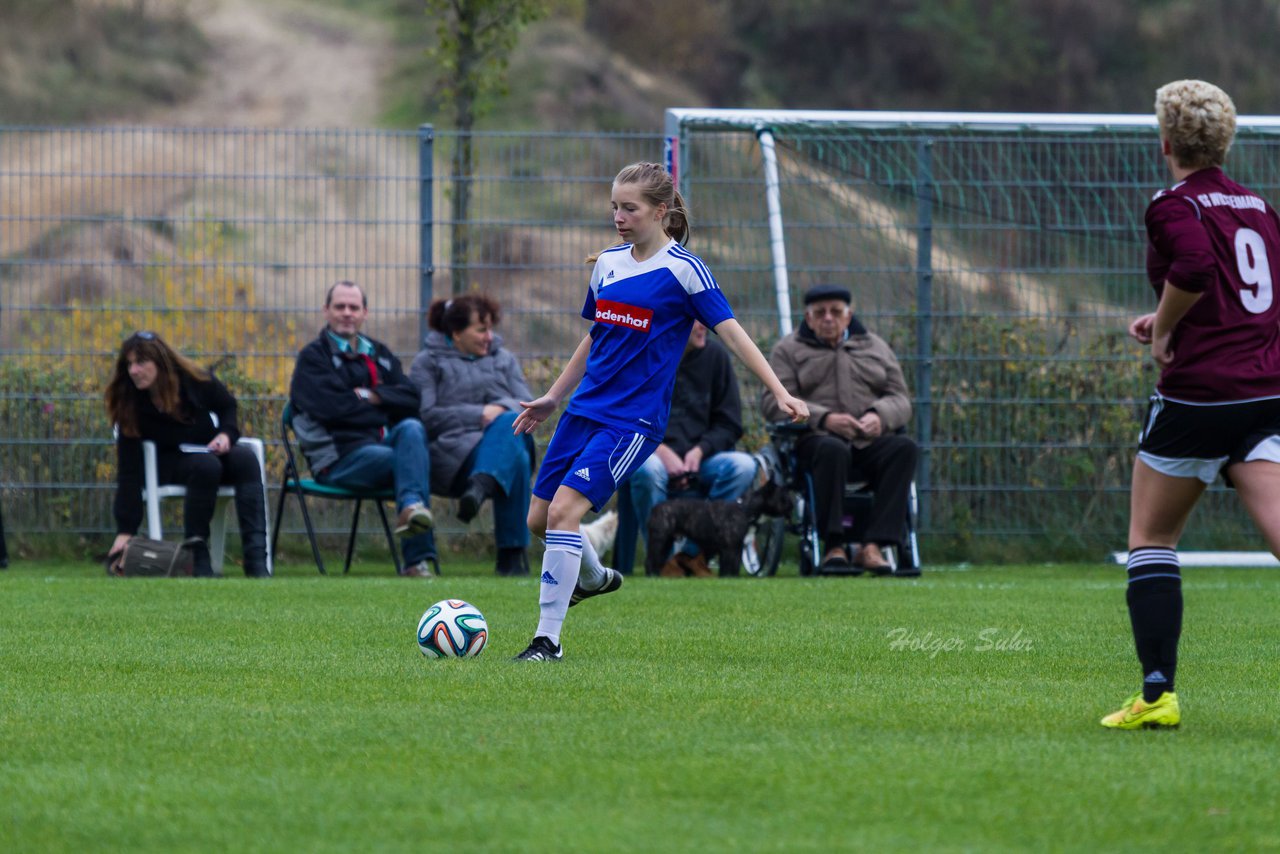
x=643, y=314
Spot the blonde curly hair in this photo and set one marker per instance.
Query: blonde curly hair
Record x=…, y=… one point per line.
x=1199, y=121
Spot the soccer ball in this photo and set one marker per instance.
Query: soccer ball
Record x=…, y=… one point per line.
x=452, y=628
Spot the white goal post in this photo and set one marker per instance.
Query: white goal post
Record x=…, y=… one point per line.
x=679, y=120
x=683, y=124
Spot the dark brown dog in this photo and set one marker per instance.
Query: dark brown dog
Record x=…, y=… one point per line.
x=718, y=527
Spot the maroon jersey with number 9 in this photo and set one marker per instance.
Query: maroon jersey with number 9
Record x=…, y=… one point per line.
x=1211, y=236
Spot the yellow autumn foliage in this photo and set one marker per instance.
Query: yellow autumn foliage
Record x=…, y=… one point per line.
x=199, y=301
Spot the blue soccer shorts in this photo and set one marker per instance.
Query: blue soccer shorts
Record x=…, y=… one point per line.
x=590, y=457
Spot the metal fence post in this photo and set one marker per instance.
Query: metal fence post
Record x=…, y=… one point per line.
x=924, y=320
x=426, y=213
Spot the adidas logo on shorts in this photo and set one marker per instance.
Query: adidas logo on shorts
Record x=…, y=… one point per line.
x=583, y=473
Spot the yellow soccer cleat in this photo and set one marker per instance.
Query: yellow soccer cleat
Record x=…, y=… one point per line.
x=1139, y=714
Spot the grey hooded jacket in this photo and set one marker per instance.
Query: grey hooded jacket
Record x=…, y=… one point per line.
x=454, y=388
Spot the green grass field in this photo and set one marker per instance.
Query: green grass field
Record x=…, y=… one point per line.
x=954, y=712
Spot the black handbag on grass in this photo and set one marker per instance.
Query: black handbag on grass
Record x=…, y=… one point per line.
x=155, y=558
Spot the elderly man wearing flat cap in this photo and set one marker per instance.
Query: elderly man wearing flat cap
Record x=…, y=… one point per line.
x=858, y=406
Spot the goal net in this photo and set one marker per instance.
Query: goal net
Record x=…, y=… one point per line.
x=1002, y=256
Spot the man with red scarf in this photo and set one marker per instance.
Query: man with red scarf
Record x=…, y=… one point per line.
x=356, y=419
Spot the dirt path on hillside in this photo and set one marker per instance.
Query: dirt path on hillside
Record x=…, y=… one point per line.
x=83, y=206
x=274, y=64
x=278, y=63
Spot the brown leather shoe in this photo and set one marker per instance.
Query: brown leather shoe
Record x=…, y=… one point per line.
x=672, y=568
x=681, y=565
x=873, y=560
x=836, y=559
x=695, y=565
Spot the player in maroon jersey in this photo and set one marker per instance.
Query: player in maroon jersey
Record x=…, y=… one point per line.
x=1212, y=257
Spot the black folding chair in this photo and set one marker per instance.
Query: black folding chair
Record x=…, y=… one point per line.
x=294, y=483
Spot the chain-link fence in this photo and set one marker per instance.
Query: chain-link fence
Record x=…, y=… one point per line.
x=225, y=240
x=1003, y=258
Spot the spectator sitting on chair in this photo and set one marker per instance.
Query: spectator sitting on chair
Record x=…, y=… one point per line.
x=159, y=395
x=696, y=457
x=470, y=391
x=356, y=419
x=858, y=405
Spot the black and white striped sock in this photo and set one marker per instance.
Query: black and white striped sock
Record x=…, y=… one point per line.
x=1155, y=612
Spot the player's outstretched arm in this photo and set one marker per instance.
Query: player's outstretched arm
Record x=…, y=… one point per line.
x=741, y=345
x=536, y=411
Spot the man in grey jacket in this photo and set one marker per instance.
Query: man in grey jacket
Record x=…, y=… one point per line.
x=858, y=405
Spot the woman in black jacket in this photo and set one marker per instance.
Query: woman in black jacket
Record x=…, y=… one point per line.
x=157, y=394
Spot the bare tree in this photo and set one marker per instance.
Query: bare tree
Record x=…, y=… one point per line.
x=474, y=40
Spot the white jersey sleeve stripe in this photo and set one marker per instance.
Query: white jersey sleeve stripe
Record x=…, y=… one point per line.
x=694, y=261
x=704, y=275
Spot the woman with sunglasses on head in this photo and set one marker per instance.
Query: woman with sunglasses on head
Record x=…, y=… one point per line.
x=642, y=299
x=157, y=394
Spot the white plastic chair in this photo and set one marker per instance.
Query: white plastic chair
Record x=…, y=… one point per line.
x=153, y=492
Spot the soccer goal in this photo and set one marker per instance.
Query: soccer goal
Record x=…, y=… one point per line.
x=1002, y=255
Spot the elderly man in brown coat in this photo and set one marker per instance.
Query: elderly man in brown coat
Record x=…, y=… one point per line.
x=858, y=405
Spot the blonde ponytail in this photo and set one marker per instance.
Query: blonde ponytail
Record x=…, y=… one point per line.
x=657, y=188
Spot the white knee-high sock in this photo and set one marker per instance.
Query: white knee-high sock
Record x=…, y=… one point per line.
x=560, y=566
x=592, y=576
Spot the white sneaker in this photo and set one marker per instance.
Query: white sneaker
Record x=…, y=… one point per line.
x=421, y=569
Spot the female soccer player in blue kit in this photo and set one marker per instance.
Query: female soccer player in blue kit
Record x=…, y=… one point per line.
x=644, y=296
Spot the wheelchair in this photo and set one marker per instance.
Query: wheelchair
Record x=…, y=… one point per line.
x=778, y=460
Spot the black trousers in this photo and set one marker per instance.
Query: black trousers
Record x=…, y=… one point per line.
x=202, y=474
x=888, y=464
